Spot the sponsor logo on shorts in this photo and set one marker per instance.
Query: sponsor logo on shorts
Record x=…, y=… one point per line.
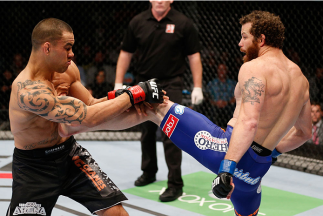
x=179, y=109
x=170, y=125
x=56, y=149
x=203, y=140
x=245, y=177
x=29, y=208
x=91, y=174
x=256, y=149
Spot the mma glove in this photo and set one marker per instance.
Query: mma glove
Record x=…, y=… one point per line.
x=274, y=156
x=148, y=91
x=221, y=185
x=115, y=93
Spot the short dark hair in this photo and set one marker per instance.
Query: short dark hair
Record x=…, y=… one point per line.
x=98, y=72
x=316, y=103
x=50, y=29
x=268, y=24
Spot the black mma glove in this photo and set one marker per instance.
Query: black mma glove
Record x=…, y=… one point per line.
x=274, y=156
x=115, y=93
x=148, y=91
x=221, y=185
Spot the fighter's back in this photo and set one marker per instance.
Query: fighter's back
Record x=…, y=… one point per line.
x=286, y=93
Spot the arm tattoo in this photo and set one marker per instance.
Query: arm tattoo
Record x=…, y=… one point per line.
x=38, y=98
x=252, y=90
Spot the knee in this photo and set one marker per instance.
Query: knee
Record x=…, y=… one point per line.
x=117, y=210
x=123, y=212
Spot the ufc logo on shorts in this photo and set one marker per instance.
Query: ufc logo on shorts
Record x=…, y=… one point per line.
x=155, y=89
x=170, y=125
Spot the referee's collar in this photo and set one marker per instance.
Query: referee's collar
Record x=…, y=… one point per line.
x=170, y=15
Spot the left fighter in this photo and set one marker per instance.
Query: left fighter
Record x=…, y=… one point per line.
x=48, y=92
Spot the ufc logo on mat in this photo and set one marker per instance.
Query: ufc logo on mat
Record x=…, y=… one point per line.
x=170, y=125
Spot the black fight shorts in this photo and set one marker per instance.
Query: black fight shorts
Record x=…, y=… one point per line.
x=40, y=176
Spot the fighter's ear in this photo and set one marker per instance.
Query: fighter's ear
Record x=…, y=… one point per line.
x=46, y=48
x=261, y=40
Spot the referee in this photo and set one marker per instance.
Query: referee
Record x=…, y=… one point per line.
x=162, y=37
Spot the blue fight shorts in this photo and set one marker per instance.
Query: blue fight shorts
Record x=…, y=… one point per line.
x=208, y=143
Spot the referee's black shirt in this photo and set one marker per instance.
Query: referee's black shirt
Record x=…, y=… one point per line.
x=162, y=46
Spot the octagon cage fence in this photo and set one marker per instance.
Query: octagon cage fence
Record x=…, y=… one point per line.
x=99, y=28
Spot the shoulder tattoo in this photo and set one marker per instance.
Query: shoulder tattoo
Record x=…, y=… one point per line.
x=37, y=97
x=251, y=90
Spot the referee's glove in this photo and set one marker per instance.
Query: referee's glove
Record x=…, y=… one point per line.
x=118, y=86
x=197, y=96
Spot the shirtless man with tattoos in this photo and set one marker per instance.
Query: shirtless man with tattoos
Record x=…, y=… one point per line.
x=48, y=92
x=272, y=116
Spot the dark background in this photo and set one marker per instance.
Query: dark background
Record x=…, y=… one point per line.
x=217, y=23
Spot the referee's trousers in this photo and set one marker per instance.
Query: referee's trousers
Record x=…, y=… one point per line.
x=173, y=155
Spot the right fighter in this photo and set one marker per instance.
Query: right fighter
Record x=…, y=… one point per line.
x=272, y=116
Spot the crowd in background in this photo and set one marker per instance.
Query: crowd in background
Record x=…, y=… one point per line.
x=98, y=45
x=219, y=80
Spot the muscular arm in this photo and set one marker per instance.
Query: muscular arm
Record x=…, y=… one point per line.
x=37, y=97
x=123, y=121
x=196, y=68
x=122, y=65
x=252, y=86
x=77, y=89
x=299, y=133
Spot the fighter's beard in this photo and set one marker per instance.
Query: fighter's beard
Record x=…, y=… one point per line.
x=251, y=53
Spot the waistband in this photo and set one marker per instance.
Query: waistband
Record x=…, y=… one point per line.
x=255, y=150
x=47, y=152
x=260, y=150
